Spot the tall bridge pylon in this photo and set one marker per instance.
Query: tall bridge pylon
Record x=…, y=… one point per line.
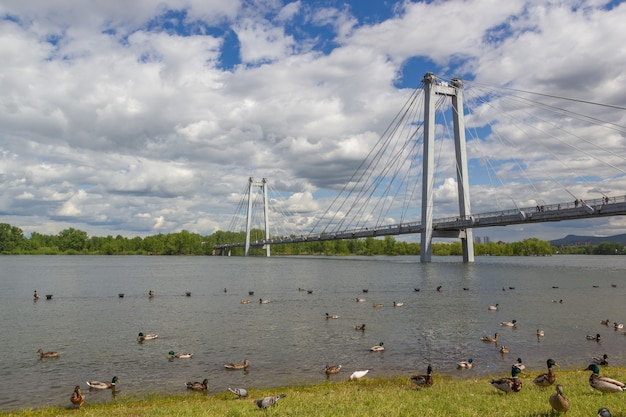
x=263, y=186
x=453, y=89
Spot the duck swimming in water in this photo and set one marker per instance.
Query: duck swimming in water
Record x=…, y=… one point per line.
x=198, y=386
x=468, y=364
x=601, y=360
x=493, y=339
x=103, y=385
x=234, y=365
x=43, y=354
x=143, y=337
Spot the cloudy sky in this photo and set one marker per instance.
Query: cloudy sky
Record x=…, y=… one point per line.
x=144, y=117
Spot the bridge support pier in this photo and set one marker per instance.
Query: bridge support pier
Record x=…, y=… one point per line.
x=263, y=186
x=454, y=90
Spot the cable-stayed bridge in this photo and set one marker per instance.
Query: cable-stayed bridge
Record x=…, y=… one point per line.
x=379, y=199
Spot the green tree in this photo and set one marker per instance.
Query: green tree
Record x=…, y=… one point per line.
x=608, y=248
x=72, y=240
x=11, y=238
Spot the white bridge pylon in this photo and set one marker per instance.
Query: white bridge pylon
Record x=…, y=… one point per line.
x=453, y=89
x=263, y=186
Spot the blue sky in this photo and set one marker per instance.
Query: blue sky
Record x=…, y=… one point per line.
x=142, y=118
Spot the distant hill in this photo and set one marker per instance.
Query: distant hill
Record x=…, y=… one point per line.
x=591, y=240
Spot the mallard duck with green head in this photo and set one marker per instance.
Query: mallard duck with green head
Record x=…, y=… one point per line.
x=378, y=348
x=512, y=384
x=546, y=379
x=143, y=337
x=468, y=364
x=103, y=385
x=173, y=355
x=603, y=383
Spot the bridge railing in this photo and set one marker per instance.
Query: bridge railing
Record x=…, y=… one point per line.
x=455, y=222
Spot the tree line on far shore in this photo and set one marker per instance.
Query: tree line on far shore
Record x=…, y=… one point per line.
x=77, y=242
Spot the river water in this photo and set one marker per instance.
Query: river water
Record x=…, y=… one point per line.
x=289, y=340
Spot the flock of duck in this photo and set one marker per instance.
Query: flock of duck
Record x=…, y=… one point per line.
x=558, y=401
x=78, y=399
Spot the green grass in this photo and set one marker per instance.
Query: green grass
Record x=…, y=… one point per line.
x=370, y=397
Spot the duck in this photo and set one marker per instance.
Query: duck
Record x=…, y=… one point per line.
x=597, y=337
x=358, y=374
x=559, y=401
x=151, y=293
x=604, y=412
x=603, y=360
x=504, y=350
x=331, y=316
x=493, y=307
x=43, y=354
x=171, y=354
x=618, y=326
x=490, y=339
x=416, y=289
x=546, y=379
x=603, y=383
x=540, y=333
x=512, y=384
x=239, y=392
x=143, y=337
x=245, y=301
x=424, y=380
x=262, y=301
x=360, y=327
x=468, y=364
x=268, y=401
x=234, y=365
x=512, y=323
x=36, y=295
x=103, y=385
x=605, y=322
x=365, y=290
x=332, y=369
x=398, y=303
x=77, y=397
x=378, y=348
x=377, y=305
x=198, y=386
x=360, y=300
x=520, y=365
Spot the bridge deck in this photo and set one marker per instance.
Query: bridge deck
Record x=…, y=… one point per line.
x=452, y=226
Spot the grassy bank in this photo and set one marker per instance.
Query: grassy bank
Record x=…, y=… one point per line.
x=370, y=397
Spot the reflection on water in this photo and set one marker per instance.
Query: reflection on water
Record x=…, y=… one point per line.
x=288, y=340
